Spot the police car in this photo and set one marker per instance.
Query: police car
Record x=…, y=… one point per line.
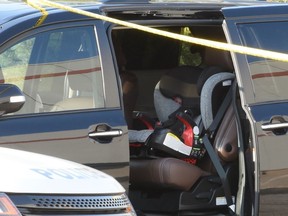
x=35, y=184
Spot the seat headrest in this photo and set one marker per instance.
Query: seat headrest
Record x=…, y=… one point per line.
x=164, y=106
x=212, y=95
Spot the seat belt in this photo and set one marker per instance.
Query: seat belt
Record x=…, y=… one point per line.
x=209, y=133
x=221, y=111
x=221, y=172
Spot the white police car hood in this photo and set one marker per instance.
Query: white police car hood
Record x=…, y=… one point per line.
x=25, y=172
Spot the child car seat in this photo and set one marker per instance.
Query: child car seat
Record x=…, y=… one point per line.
x=172, y=86
x=177, y=105
x=193, y=187
x=179, y=91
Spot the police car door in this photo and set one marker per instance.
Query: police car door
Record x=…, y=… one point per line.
x=263, y=86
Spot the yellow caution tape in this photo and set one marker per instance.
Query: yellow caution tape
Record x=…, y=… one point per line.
x=42, y=10
x=204, y=42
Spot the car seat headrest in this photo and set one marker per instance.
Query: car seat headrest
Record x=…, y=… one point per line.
x=180, y=83
x=164, y=106
x=212, y=95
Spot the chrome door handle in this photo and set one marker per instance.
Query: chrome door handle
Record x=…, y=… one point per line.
x=111, y=133
x=277, y=125
x=273, y=126
x=103, y=133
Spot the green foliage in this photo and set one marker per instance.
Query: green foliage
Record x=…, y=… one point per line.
x=186, y=57
x=17, y=55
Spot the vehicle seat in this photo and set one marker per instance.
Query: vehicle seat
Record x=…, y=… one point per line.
x=78, y=83
x=170, y=174
x=77, y=90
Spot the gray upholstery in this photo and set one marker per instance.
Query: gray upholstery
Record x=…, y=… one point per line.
x=164, y=106
x=206, y=95
x=141, y=136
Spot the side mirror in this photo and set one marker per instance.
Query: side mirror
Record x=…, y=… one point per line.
x=11, y=98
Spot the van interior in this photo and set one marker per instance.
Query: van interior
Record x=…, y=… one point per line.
x=171, y=91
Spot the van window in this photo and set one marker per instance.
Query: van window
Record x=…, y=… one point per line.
x=269, y=77
x=57, y=70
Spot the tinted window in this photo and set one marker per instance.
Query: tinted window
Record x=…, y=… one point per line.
x=270, y=77
x=57, y=70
